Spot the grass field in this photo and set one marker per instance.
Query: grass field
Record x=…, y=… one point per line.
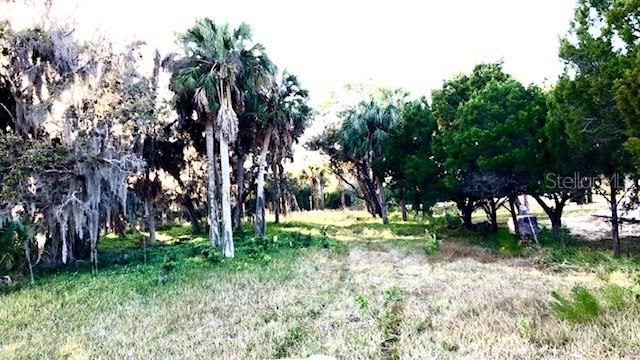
x=330, y=283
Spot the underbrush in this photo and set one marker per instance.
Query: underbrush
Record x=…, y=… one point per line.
x=586, y=259
x=388, y=316
x=180, y=251
x=583, y=305
x=502, y=241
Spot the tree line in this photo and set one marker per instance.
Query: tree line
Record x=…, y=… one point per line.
x=484, y=138
x=88, y=144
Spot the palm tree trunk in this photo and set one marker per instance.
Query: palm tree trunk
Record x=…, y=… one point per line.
x=227, y=226
x=383, y=202
x=240, y=199
x=214, y=230
x=276, y=202
x=261, y=225
x=282, y=193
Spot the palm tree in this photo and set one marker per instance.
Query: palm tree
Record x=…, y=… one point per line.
x=214, y=57
x=364, y=130
x=288, y=115
x=256, y=83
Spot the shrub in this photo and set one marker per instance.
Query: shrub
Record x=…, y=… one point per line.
x=503, y=241
x=484, y=228
x=582, y=306
x=436, y=224
x=12, y=237
x=549, y=237
x=432, y=244
x=453, y=221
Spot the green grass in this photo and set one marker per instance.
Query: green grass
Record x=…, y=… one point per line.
x=333, y=283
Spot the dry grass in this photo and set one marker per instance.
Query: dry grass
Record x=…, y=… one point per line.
x=464, y=302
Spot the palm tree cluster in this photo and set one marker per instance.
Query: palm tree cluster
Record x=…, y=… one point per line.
x=107, y=161
x=232, y=87
x=358, y=144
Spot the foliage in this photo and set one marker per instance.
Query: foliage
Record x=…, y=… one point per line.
x=588, y=259
x=582, y=306
x=453, y=220
x=66, y=177
x=408, y=156
x=357, y=145
x=431, y=244
x=12, y=238
x=489, y=135
x=436, y=224
x=560, y=236
x=503, y=241
x=627, y=101
x=363, y=303
x=586, y=95
x=617, y=297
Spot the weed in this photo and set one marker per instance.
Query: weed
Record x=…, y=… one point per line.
x=437, y=224
x=293, y=337
x=525, y=327
x=582, y=306
x=549, y=237
x=363, y=303
x=431, y=244
x=390, y=323
x=616, y=297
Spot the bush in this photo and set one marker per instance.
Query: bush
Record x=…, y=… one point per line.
x=550, y=237
x=436, y=224
x=453, y=221
x=587, y=258
x=432, y=244
x=484, y=228
x=12, y=237
x=502, y=241
x=582, y=306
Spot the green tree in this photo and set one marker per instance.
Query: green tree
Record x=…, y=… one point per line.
x=497, y=136
x=408, y=157
x=559, y=160
x=214, y=57
x=445, y=105
x=488, y=130
x=586, y=94
x=357, y=144
x=289, y=116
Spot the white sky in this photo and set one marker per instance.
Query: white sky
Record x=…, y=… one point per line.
x=410, y=44
x=401, y=43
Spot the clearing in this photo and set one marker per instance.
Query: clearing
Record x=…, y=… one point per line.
x=352, y=289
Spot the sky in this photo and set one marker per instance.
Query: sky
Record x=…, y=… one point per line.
x=414, y=45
